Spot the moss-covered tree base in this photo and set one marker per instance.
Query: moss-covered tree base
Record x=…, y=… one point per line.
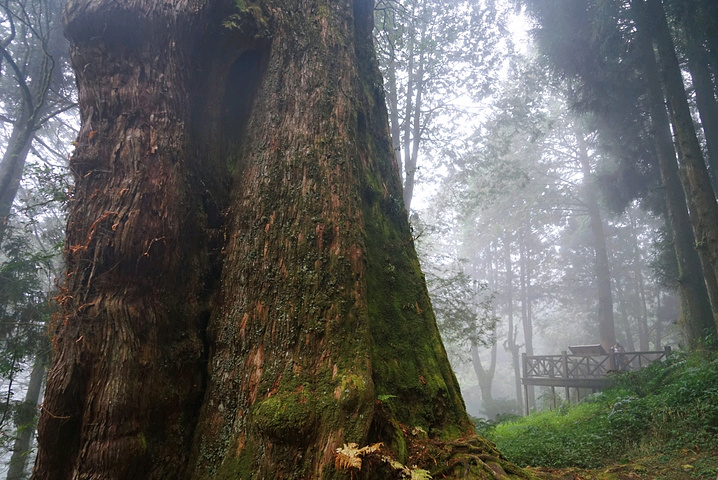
x=466, y=458
x=408, y=452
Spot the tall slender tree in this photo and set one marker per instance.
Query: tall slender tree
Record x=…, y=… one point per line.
x=583, y=41
x=606, y=324
x=32, y=53
x=25, y=420
x=431, y=52
x=692, y=168
x=694, y=294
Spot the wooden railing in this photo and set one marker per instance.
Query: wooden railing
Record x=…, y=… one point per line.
x=583, y=371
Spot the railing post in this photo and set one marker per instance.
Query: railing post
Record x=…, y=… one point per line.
x=564, y=362
x=526, y=399
x=524, y=376
x=667, y=349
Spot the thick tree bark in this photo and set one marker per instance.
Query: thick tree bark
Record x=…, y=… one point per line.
x=694, y=268
x=242, y=296
x=128, y=374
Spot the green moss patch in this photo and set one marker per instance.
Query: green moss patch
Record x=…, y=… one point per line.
x=285, y=418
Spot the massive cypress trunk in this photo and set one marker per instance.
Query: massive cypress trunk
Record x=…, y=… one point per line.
x=242, y=296
x=141, y=247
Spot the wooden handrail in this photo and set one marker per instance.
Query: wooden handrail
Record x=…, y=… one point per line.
x=588, y=366
x=582, y=371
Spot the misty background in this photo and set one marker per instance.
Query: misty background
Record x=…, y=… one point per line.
x=522, y=133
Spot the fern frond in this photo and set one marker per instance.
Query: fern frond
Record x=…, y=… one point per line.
x=350, y=455
x=419, y=474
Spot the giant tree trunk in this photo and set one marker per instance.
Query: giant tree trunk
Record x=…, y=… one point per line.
x=242, y=294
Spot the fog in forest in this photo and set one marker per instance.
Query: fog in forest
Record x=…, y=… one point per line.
x=558, y=168
x=538, y=208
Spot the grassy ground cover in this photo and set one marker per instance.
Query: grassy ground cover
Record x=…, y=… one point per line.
x=658, y=423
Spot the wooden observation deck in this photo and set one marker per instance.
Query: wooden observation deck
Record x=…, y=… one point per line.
x=587, y=366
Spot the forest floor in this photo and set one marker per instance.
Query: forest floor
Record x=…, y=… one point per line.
x=683, y=465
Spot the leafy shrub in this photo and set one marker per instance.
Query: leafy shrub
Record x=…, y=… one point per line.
x=669, y=405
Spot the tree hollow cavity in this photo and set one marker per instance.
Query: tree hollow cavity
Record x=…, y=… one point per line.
x=241, y=87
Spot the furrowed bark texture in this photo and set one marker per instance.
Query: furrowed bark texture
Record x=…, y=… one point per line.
x=323, y=307
x=243, y=296
x=128, y=373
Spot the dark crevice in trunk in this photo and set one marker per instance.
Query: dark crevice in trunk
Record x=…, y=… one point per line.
x=225, y=93
x=240, y=88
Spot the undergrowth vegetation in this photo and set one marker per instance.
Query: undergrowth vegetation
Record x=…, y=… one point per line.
x=666, y=407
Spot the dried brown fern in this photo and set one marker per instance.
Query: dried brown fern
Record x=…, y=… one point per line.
x=350, y=455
